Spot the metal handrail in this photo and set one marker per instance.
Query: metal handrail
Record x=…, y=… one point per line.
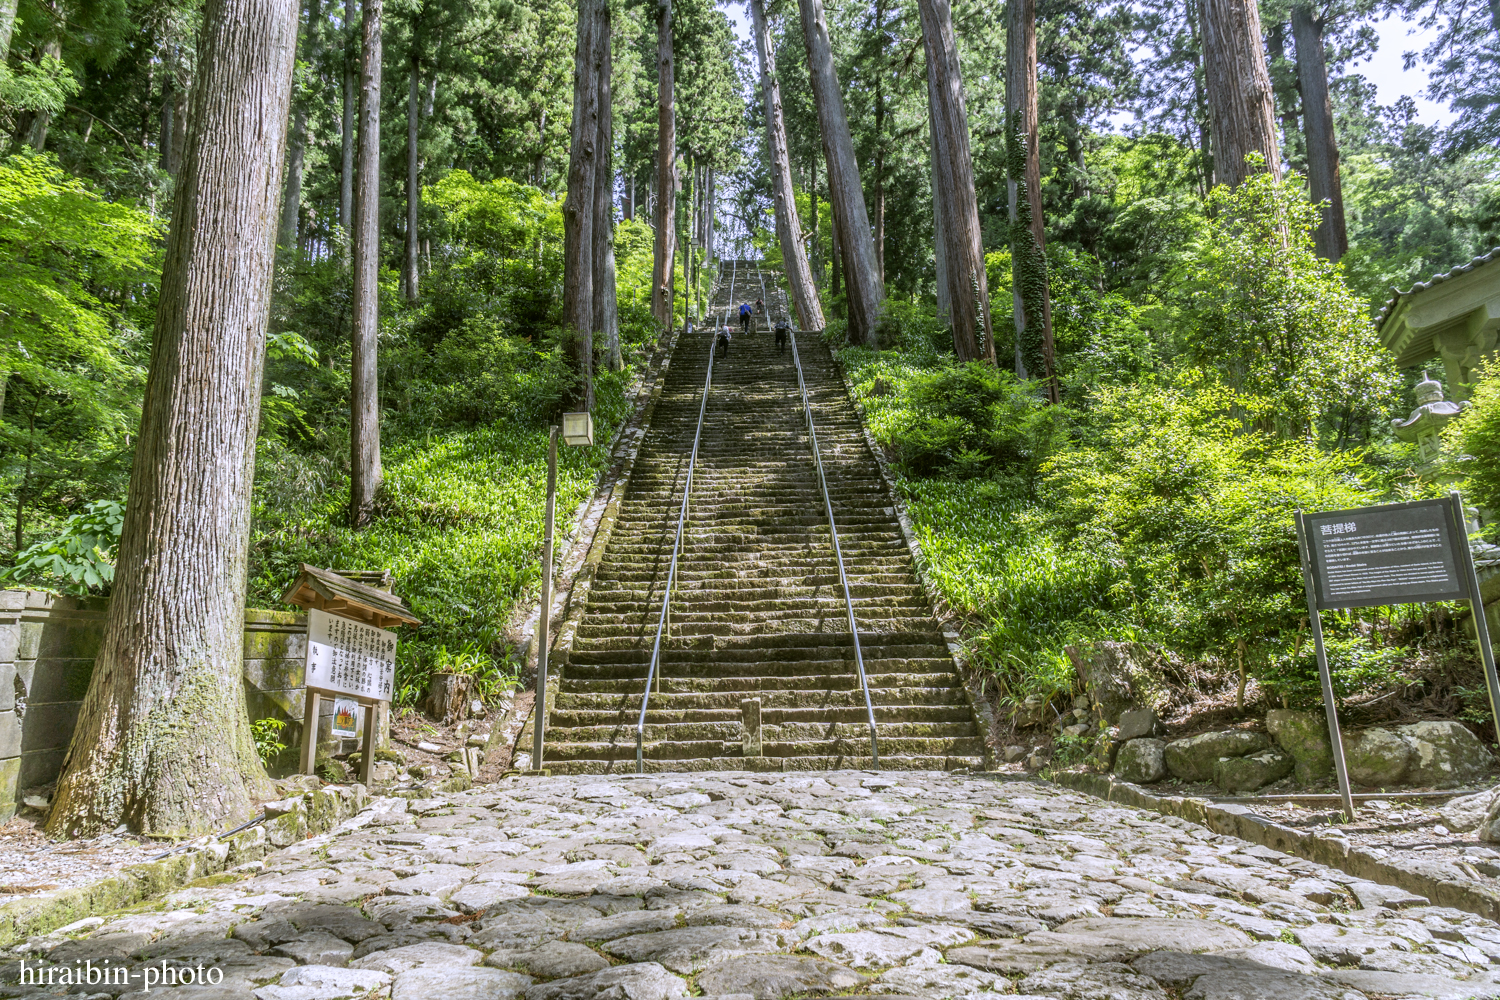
x=666, y=599
x=838, y=555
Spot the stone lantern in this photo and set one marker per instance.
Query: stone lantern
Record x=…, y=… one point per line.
x=1425, y=428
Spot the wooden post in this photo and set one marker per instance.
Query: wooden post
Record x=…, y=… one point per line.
x=367, y=748
x=309, y=731
x=544, y=623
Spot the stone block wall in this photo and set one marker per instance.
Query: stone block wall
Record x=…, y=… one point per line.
x=47, y=648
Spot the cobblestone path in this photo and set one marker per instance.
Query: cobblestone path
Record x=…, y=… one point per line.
x=907, y=884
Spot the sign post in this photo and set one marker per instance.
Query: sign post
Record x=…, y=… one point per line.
x=350, y=655
x=1388, y=554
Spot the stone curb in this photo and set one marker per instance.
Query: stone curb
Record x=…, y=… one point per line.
x=984, y=713
x=1324, y=848
x=287, y=822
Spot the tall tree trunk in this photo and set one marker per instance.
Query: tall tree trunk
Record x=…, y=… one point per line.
x=413, y=177
x=163, y=741
x=1242, y=113
x=364, y=417
x=7, y=27
x=939, y=236
x=1283, y=90
x=1028, y=236
x=788, y=226
x=579, y=208
x=817, y=237
x=606, y=308
x=1331, y=238
x=351, y=101
x=1200, y=98
x=291, y=199
x=880, y=140
x=34, y=131
x=866, y=294
x=165, y=133
x=835, y=251
x=968, y=287
x=711, y=211
x=662, y=266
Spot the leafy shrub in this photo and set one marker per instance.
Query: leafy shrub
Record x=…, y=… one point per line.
x=80, y=559
x=267, y=736
x=1354, y=665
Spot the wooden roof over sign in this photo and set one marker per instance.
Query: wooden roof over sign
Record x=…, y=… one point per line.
x=339, y=595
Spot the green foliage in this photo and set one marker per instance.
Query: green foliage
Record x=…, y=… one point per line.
x=267, y=736
x=80, y=559
x=1259, y=305
x=1477, y=434
x=962, y=419
x=1356, y=667
x=1028, y=261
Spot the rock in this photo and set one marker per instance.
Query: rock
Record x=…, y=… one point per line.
x=1246, y=774
x=625, y=924
x=1030, y=712
x=1304, y=735
x=887, y=946
x=1137, y=723
x=458, y=984
x=1117, y=676
x=1091, y=982
x=476, y=897
x=1141, y=761
x=1266, y=984
x=941, y=981
x=1376, y=757
x=427, y=747
x=641, y=981
x=1467, y=813
x=477, y=741
x=553, y=960
x=398, y=960
x=770, y=977
x=317, y=948
x=1014, y=753
x=688, y=949
x=1127, y=937
x=1374, y=896
x=334, y=979
x=1036, y=762
x=383, y=771
x=1193, y=759
x=934, y=902
x=1445, y=754
x=1079, y=729
x=1413, y=985
x=1179, y=969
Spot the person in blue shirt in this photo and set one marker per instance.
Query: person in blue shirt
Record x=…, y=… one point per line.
x=747, y=312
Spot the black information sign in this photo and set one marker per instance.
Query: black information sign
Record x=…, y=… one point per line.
x=1394, y=553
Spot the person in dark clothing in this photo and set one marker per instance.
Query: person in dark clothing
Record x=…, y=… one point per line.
x=723, y=345
x=746, y=314
x=782, y=332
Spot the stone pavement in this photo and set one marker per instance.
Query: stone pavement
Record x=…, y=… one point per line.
x=907, y=884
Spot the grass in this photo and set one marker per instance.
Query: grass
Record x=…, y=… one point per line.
x=459, y=525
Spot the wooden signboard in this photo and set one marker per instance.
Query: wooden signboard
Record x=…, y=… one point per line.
x=350, y=653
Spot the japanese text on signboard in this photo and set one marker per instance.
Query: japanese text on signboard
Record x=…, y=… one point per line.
x=1385, y=555
x=349, y=657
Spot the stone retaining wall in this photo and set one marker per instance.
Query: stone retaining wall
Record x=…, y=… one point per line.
x=47, y=649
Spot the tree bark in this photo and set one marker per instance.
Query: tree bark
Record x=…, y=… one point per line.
x=788, y=226
x=1331, y=238
x=1028, y=236
x=711, y=206
x=1242, y=113
x=35, y=130
x=364, y=417
x=665, y=220
x=579, y=208
x=968, y=286
x=7, y=27
x=817, y=237
x=866, y=294
x=413, y=176
x=163, y=741
x=939, y=235
x=606, y=308
x=351, y=100
x=880, y=140
x=291, y=199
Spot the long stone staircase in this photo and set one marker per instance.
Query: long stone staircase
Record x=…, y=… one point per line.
x=757, y=612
